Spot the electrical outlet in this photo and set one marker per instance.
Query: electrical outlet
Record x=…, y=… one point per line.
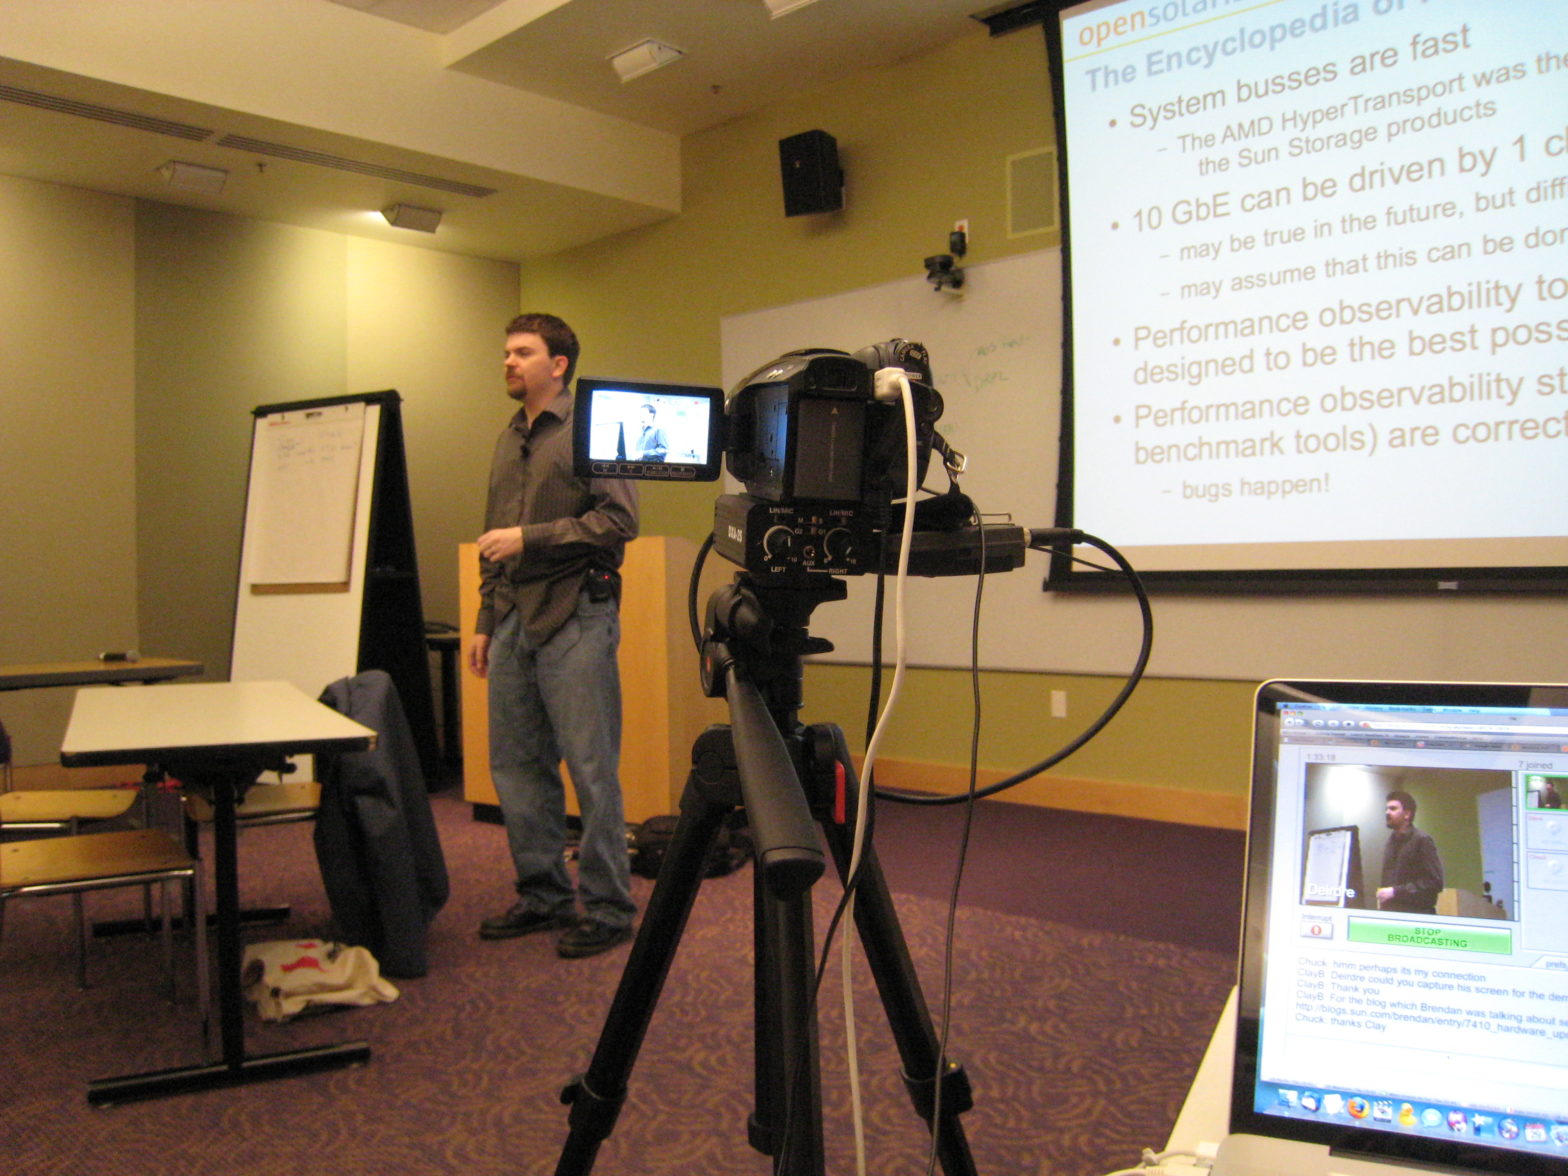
x=958, y=239
x=1058, y=704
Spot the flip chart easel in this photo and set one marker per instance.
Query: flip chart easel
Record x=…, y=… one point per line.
x=329, y=583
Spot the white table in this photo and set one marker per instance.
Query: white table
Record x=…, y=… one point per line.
x=1205, y=1115
x=216, y=738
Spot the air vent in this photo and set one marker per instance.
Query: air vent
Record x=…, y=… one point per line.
x=1031, y=192
x=108, y=114
x=323, y=159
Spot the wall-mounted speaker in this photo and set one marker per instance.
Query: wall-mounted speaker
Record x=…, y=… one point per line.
x=813, y=181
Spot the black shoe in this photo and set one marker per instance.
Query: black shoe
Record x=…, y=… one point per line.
x=519, y=921
x=589, y=937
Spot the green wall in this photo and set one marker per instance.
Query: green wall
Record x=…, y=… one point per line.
x=648, y=303
x=231, y=313
x=68, y=549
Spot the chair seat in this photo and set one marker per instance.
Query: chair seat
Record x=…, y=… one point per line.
x=265, y=803
x=59, y=806
x=88, y=858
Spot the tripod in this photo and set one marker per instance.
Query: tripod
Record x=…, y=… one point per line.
x=790, y=779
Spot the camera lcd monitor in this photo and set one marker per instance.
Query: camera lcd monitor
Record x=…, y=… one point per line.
x=1404, y=968
x=646, y=430
x=1317, y=313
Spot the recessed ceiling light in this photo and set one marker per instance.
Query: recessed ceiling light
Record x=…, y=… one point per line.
x=777, y=8
x=193, y=177
x=411, y=216
x=643, y=57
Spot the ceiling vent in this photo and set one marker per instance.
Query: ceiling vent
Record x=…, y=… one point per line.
x=179, y=130
x=108, y=114
x=323, y=159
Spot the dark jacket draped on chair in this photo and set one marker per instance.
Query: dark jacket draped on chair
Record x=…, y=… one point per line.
x=376, y=840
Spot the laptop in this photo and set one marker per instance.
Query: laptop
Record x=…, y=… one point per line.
x=1403, y=994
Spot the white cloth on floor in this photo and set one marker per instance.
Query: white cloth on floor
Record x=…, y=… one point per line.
x=286, y=976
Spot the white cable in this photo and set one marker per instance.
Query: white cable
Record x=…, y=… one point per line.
x=1153, y=1164
x=901, y=379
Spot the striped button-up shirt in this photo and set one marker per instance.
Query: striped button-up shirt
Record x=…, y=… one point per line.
x=570, y=525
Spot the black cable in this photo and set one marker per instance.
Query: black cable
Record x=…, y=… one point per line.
x=874, y=695
x=691, y=592
x=1047, y=539
x=958, y=867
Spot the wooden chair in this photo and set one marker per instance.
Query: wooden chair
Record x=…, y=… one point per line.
x=76, y=863
x=71, y=862
x=55, y=810
x=265, y=804
x=34, y=812
x=61, y=810
x=279, y=803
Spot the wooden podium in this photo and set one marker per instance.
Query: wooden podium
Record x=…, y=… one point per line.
x=662, y=705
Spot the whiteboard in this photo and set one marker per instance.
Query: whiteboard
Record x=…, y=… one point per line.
x=309, y=638
x=1333, y=863
x=304, y=481
x=996, y=354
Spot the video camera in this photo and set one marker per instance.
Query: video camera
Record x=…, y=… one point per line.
x=818, y=439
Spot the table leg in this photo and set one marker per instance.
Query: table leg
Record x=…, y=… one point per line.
x=236, y=1067
x=226, y=885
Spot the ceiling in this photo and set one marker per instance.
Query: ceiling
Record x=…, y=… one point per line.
x=504, y=114
x=737, y=58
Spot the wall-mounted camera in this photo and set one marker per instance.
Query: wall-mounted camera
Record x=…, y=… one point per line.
x=944, y=272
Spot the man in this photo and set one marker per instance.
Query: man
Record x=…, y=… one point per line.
x=651, y=445
x=546, y=637
x=1412, y=871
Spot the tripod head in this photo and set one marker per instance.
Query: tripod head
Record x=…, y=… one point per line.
x=753, y=641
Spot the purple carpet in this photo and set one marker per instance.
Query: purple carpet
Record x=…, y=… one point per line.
x=1092, y=956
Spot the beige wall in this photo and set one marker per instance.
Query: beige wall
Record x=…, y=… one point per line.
x=236, y=313
x=123, y=509
x=67, y=456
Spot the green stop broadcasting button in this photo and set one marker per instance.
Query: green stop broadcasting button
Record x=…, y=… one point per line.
x=1490, y=940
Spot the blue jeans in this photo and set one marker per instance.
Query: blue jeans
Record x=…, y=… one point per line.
x=562, y=700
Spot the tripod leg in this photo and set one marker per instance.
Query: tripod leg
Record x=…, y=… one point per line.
x=596, y=1096
x=918, y=1047
x=882, y=939
x=787, y=1123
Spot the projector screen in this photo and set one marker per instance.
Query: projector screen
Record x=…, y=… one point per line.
x=1317, y=290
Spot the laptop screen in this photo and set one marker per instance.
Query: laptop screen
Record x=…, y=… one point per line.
x=1404, y=972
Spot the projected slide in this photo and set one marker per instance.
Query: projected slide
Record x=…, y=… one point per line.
x=1319, y=281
